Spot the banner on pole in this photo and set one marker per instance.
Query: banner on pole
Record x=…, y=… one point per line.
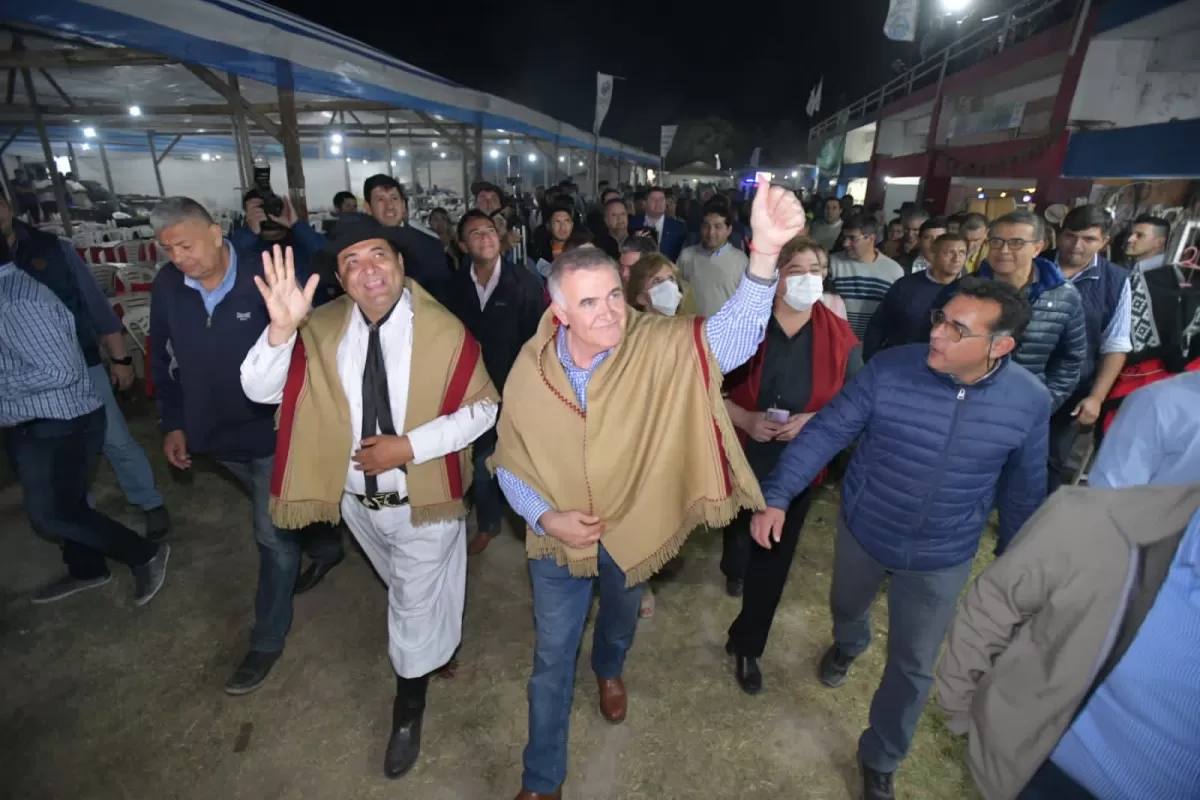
x=604, y=90
x=666, y=140
x=901, y=22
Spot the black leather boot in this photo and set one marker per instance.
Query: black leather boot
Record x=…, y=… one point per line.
x=407, y=711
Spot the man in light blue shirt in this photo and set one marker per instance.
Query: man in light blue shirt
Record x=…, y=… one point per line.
x=1155, y=437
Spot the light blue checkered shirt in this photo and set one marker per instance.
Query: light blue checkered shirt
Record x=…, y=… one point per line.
x=42, y=372
x=734, y=334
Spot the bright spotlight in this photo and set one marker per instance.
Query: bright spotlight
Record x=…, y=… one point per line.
x=442, y=154
x=86, y=146
x=955, y=6
x=402, y=153
x=135, y=111
x=562, y=159
x=434, y=145
x=335, y=150
x=493, y=153
x=795, y=174
x=532, y=157
x=336, y=138
x=89, y=132
x=206, y=157
x=581, y=163
x=327, y=114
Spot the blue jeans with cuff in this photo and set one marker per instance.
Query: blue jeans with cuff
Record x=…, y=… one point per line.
x=921, y=605
x=560, y=608
x=126, y=456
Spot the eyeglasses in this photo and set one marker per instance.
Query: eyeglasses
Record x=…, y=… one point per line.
x=852, y=239
x=958, y=331
x=1013, y=244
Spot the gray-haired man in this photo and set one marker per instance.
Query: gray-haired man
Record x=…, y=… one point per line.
x=206, y=306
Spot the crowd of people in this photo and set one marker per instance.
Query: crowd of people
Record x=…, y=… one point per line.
x=625, y=372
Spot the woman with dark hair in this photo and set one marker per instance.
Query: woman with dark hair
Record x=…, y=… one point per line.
x=806, y=356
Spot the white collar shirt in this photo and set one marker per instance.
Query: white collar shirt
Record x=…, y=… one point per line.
x=485, y=290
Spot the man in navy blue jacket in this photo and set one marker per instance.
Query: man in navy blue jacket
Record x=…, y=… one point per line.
x=206, y=308
x=672, y=233
x=948, y=430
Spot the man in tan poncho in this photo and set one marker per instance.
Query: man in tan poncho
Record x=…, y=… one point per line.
x=380, y=394
x=613, y=445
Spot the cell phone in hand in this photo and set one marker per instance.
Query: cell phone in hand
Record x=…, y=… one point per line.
x=779, y=416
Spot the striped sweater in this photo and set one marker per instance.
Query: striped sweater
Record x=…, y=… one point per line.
x=862, y=286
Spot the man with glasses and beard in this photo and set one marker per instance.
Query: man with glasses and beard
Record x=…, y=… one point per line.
x=946, y=431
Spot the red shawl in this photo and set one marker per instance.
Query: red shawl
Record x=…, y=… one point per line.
x=831, y=345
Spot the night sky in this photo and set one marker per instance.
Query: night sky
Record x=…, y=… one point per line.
x=751, y=64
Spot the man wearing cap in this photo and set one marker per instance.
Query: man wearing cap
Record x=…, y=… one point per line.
x=381, y=394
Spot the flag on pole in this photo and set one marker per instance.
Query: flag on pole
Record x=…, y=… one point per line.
x=901, y=22
x=820, y=91
x=604, y=90
x=814, y=98
x=666, y=140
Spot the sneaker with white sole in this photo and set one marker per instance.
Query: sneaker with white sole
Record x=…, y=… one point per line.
x=66, y=586
x=149, y=577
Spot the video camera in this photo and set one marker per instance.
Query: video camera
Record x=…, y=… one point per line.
x=272, y=203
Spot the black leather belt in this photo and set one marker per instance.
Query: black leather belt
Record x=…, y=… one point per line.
x=382, y=500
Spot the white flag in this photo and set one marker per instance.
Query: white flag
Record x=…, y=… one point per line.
x=666, y=140
x=817, y=96
x=809, y=107
x=901, y=22
x=604, y=90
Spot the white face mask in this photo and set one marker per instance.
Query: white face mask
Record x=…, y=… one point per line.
x=803, y=291
x=665, y=298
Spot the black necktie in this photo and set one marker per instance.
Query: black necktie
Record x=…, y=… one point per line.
x=377, y=404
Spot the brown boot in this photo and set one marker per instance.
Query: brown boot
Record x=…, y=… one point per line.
x=525, y=794
x=612, y=699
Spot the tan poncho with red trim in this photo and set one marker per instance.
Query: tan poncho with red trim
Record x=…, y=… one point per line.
x=654, y=455
x=312, y=450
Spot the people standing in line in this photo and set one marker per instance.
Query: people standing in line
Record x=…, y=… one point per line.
x=1146, y=247
x=1071, y=662
x=501, y=305
x=828, y=230
x=54, y=263
x=1054, y=345
x=903, y=316
x=390, y=381
x=53, y=422
x=713, y=268
x=666, y=470
x=861, y=274
x=207, y=312
x=1107, y=314
x=672, y=233
x=944, y=432
x=808, y=353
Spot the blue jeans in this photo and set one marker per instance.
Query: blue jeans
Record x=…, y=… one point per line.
x=127, y=457
x=54, y=460
x=278, y=557
x=560, y=609
x=485, y=489
x=921, y=605
x=1051, y=783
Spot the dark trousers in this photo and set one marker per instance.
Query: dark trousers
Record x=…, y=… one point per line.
x=54, y=460
x=485, y=488
x=1051, y=783
x=323, y=542
x=765, y=574
x=1064, y=429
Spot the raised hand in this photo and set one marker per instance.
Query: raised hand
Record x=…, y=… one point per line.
x=775, y=218
x=287, y=303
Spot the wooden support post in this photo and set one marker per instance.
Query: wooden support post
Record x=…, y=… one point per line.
x=412, y=162
x=154, y=159
x=60, y=189
x=290, y=137
x=478, y=150
x=387, y=143
x=71, y=159
x=108, y=180
x=346, y=154
x=234, y=97
x=241, y=130
x=466, y=179
x=169, y=148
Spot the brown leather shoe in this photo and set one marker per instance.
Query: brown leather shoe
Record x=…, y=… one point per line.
x=525, y=794
x=612, y=699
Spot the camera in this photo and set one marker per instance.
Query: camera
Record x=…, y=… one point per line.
x=272, y=203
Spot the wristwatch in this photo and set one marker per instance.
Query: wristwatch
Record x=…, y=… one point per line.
x=127, y=361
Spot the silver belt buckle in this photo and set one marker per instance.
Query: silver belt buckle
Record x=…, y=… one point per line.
x=382, y=500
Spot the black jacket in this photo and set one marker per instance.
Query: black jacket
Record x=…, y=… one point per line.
x=510, y=318
x=903, y=316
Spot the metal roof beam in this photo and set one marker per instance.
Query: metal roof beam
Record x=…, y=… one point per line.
x=234, y=99
x=86, y=57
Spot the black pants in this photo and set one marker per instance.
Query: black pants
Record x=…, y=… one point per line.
x=765, y=574
x=54, y=460
x=322, y=542
x=1064, y=429
x=1051, y=783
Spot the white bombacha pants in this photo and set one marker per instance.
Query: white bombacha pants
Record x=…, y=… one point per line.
x=425, y=569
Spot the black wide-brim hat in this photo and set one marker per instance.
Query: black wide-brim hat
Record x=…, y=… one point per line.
x=354, y=228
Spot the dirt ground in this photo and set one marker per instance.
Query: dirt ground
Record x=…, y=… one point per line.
x=107, y=701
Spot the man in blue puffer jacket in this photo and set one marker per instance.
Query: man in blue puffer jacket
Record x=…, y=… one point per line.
x=948, y=430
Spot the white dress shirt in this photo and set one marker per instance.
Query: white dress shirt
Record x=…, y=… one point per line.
x=264, y=374
x=657, y=225
x=485, y=290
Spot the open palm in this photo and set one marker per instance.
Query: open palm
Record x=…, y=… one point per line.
x=776, y=217
x=287, y=303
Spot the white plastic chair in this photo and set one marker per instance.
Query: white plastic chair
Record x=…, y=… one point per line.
x=131, y=275
x=104, y=274
x=122, y=304
x=137, y=322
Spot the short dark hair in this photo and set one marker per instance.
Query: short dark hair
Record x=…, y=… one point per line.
x=950, y=237
x=616, y=201
x=474, y=213
x=1161, y=226
x=480, y=188
x=1023, y=218
x=864, y=224
x=639, y=195
x=913, y=213
x=956, y=219
x=974, y=221
x=385, y=182
x=638, y=244
x=1081, y=218
x=837, y=200
x=342, y=197
x=607, y=191
x=933, y=223
x=439, y=210
x=658, y=189
x=895, y=221
x=579, y=237
x=560, y=208
x=1015, y=312
x=721, y=210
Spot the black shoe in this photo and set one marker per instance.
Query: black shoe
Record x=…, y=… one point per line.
x=745, y=670
x=158, y=523
x=149, y=577
x=408, y=710
x=314, y=574
x=251, y=673
x=733, y=587
x=876, y=785
x=834, y=666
